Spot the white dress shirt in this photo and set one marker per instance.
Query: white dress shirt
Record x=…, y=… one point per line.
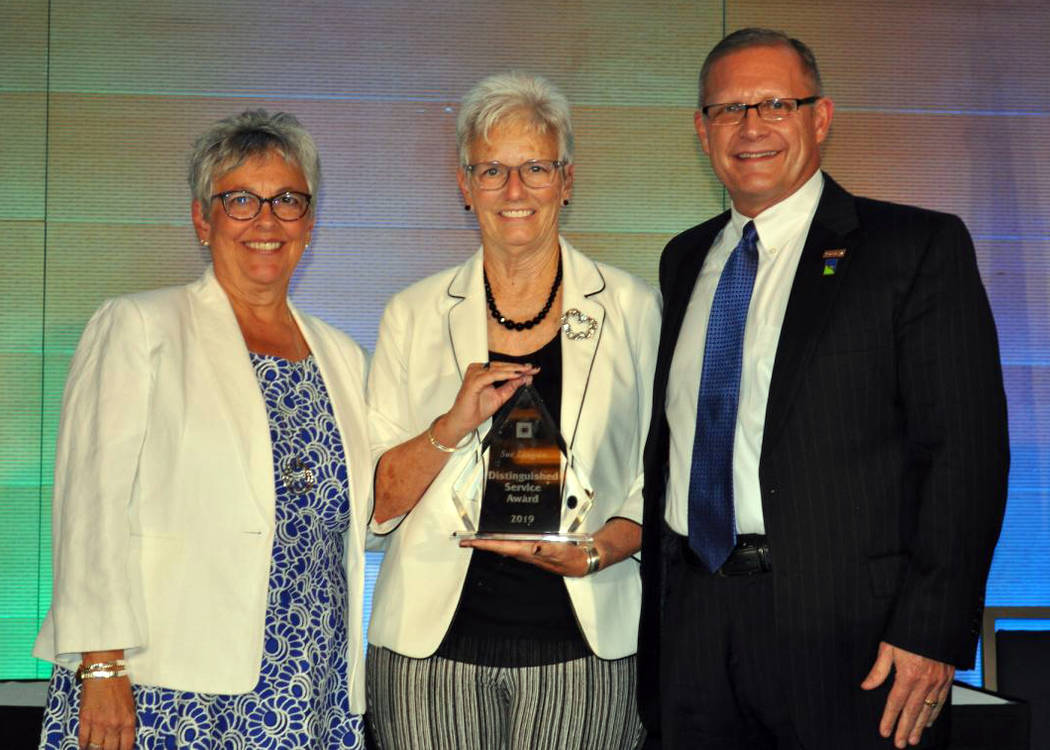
x=782, y=231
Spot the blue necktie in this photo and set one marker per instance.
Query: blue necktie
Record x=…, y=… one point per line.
x=712, y=522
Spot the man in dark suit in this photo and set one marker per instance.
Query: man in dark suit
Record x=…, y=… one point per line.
x=826, y=468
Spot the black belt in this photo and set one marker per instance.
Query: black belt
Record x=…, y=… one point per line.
x=749, y=557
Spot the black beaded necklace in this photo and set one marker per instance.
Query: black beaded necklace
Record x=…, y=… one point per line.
x=511, y=325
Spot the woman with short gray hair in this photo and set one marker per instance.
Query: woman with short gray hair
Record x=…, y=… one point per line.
x=212, y=487
x=525, y=642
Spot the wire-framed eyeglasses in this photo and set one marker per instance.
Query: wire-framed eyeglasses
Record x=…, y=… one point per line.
x=770, y=110
x=492, y=175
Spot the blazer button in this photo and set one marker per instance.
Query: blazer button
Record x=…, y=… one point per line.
x=572, y=502
x=771, y=491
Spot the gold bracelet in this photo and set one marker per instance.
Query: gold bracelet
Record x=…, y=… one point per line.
x=102, y=670
x=594, y=557
x=103, y=674
x=441, y=446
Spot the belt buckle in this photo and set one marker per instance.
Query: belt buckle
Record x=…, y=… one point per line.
x=747, y=560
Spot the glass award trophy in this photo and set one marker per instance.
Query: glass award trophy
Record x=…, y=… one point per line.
x=528, y=488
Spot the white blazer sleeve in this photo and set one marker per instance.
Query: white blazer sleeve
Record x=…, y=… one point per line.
x=104, y=419
x=389, y=410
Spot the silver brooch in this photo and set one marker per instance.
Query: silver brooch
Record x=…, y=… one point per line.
x=577, y=325
x=297, y=476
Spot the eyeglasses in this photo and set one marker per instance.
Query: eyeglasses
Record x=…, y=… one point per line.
x=491, y=175
x=243, y=205
x=770, y=110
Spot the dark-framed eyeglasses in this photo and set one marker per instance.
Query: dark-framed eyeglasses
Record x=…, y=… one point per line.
x=244, y=205
x=492, y=175
x=770, y=110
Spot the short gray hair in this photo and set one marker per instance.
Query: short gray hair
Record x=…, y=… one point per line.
x=229, y=142
x=505, y=96
x=758, y=37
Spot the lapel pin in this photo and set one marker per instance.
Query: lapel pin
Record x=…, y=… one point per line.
x=577, y=325
x=831, y=260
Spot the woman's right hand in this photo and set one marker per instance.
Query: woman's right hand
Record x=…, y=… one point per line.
x=107, y=709
x=479, y=398
x=405, y=471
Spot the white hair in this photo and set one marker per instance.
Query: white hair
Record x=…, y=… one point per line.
x=532, y=99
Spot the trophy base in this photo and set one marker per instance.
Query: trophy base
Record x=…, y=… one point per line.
x=524, y=536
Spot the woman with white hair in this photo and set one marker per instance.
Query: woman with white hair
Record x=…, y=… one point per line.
x=212, y=488
x=512, y=644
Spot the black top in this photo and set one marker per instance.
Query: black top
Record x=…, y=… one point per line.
x=513, y=614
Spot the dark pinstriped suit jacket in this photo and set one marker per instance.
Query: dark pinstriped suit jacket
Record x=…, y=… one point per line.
x=884, y=457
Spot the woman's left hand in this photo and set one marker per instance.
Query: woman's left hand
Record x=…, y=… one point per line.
x=563, y=558
x=615, y=541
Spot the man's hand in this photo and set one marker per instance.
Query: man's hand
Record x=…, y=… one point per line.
x=920, y=689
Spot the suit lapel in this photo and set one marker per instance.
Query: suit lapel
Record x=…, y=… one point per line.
x=241, y=402
x=812, y=296
x=678, y=288
x=467, y=319
x=346, y=395
x=468, y=315
x=679, y=268
x=582, y=285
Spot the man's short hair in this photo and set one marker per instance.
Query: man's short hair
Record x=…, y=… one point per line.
x=758, y=37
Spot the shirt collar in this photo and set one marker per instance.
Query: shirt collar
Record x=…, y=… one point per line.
x=779, y=223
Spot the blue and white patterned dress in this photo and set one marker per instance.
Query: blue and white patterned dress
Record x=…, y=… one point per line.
x=302, y=698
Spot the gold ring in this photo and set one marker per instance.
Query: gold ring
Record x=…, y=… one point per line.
x=931, y=704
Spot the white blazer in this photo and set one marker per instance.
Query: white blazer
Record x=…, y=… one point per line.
x=163, y=515
x=429, y=333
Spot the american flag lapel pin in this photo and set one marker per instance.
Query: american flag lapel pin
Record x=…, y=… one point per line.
x=831, y=260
